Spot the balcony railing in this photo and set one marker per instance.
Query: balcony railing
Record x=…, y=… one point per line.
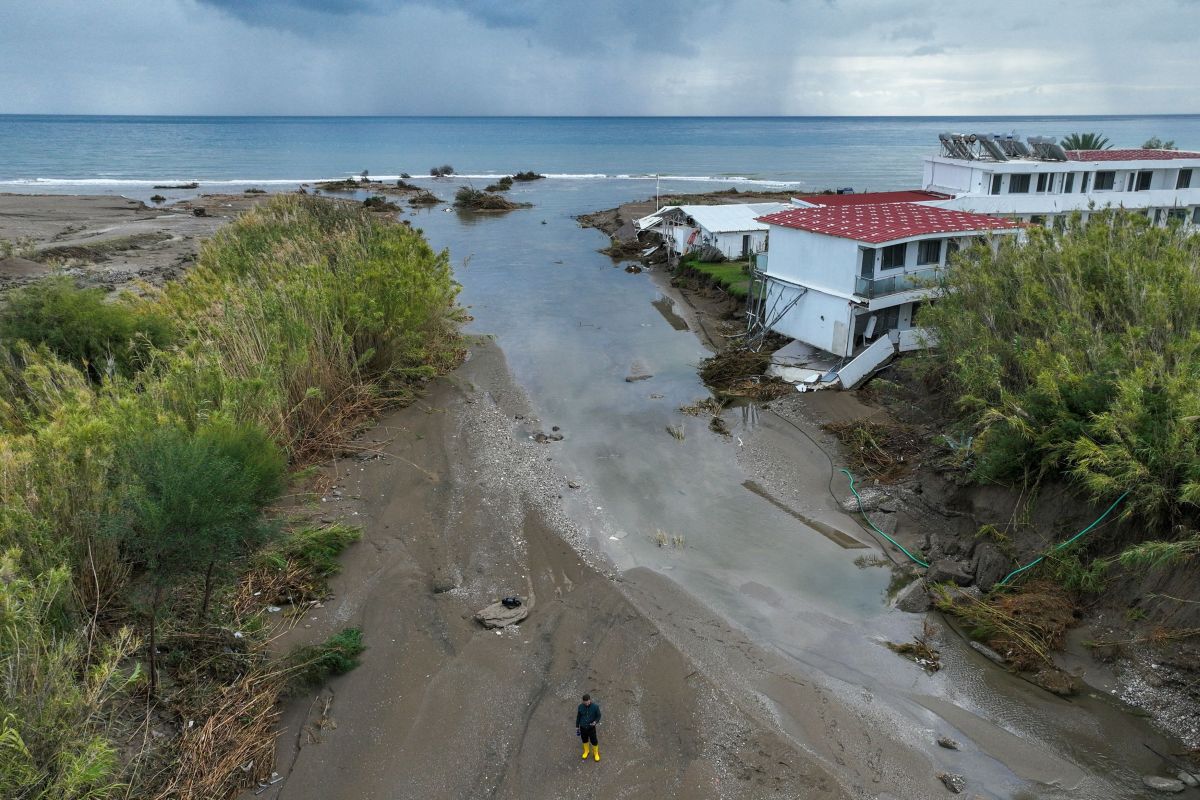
x=879, y=287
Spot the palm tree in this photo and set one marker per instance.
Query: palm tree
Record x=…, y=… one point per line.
x=1085, y=141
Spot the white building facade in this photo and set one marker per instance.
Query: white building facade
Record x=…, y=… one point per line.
x=1039, y=182
x=731, y=228
x=838, y=278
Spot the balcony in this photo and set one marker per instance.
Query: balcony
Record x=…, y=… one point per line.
x=871, y=288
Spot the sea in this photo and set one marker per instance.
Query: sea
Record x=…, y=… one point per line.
x=132, y=154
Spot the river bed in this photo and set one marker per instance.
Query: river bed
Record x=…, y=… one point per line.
x=572, y=327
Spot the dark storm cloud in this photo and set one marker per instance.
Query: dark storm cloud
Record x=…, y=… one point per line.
x=559, y=24
x=575, y=57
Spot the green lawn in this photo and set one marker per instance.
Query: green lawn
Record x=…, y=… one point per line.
x=732, y=276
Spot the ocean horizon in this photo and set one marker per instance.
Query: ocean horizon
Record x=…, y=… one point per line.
x=129, y=154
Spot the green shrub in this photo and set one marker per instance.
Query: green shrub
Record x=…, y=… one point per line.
x=82, y=327
x=317, y=549
x=189, y=506
x=1078, y=354
x=313, y=309
x=314, y=665
x=54, y=699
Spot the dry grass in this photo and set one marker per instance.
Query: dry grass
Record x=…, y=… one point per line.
x=879, y=451
x=705, y=406
x=234, y=746
x=921, y=649
x=1025, y=626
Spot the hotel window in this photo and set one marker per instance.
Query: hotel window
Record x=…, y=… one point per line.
x=929, y=252
x=1069, y=183
x=1196, y=215
x=1177, y=215
x=893, y=256
x=1018, y=184
x=1184, y=181
x=1083, y=182
x=996, y=184
x=1143, y=180
x=1045, y=182
x=1104, y=181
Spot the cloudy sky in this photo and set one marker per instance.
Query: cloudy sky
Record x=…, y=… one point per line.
x=607, y=57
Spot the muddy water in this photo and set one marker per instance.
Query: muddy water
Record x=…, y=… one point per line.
x=573, y=328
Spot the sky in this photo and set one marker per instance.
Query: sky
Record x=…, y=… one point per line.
x=598, y=57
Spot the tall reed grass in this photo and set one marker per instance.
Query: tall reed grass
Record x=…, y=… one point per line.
x=301, y=318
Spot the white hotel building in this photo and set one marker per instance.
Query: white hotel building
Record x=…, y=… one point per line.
x=1038, y=181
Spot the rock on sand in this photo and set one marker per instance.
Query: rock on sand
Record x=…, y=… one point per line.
x=497, y=615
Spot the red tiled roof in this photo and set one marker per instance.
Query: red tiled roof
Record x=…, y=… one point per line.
x=1131, y=154
x=869, y=198
x=884, y=222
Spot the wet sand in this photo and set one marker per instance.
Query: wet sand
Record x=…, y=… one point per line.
x=108, y=241
x=461, y=507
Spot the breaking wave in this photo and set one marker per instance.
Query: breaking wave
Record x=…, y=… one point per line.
x=146, y=183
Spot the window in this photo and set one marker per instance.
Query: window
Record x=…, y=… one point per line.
x=1069, y=184
x=867, y=267
x=952, y=247
x=893, y=256
x=1143, y=180
x=1083, y=182
x=1037, y=219
x=1184, y=181
x=1018, y=184
x=1045, y=182
x=929, y=252
x=1176, y=216
x=996, y=184
x=1196, y=215
x=1104, y=181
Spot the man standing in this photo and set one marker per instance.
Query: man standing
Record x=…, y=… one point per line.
x=587, y=717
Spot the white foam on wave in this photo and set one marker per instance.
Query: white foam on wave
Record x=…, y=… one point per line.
x=205, y=183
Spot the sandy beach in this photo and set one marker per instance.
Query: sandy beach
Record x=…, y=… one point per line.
x=107, y=241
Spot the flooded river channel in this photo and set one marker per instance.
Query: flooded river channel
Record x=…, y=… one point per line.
x=573, y=327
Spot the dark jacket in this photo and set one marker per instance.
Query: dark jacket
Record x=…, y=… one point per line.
x=587, y=716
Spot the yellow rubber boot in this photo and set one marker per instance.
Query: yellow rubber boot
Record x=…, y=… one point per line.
x=586, y=746
x=596, y=749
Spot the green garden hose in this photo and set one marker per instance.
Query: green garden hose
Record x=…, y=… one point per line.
x=874, y=526
x=1040, y=558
